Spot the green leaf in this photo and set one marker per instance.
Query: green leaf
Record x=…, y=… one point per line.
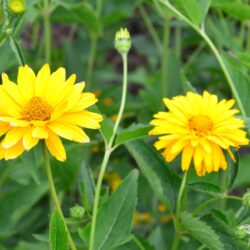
x=19, y=200
x=81, y=13
x=205, y=187
x=233, y=168
x=224, y=232
x=58, y=234
x=17, y=51
x=114, y=221
x=131, y=133
x=200, y=231
x=244, y=58
x=153, y=167
x=238, y=11
x=87, y=186
x=192, y=9
x=187, y=86
x=240, y=79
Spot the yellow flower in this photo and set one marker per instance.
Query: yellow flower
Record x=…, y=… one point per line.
x=16, y=6
x=43, y=107
x=200, y=127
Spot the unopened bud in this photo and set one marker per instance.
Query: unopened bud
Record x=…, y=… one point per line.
x=77, y=212
x=122, y=41
x=246, y=199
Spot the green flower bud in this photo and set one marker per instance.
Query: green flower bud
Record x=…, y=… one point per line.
x=122, y=41
x=240, y=233
x=16, y=7
x=246, y=199
x=77, y=212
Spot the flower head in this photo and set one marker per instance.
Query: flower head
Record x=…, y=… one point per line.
x=43, y=107
x=16, y=6
x=122, y=41
x=200, y=127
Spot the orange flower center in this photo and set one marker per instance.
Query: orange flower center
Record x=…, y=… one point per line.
x=37, y=109
x=201, y=124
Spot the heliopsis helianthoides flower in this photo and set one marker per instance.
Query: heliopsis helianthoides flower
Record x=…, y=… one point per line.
x=43, y=107
x=202, y=128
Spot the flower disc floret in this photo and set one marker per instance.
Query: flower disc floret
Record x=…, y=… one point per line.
x=45, y=107
x=202, y=128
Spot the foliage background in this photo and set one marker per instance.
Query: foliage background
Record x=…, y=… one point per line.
x=168, y=58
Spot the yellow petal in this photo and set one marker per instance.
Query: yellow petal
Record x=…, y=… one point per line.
x=69, y=132
x=26, y=81
x=42, y=81
x=28, y=140
x=13, y=136
x=40, y=132
x=55, y=146
x=187, y=155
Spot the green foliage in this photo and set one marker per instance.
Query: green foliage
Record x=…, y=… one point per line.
x=201, y=231
x=114, y=221
x=170, y=55
x=58, y=234
x=164, y=183
x=132, y=133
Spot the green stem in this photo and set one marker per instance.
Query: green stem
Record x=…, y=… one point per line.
x=91, y=60
x=53, y=193
x=214, y=50
x=176, y=241
x=178, y=212
x=138, y=243
x=17, y=51
x=203, y=205
x=108, y=150
x=151, y=28
x=123, y=99
x=178, y=41
x=93, y=48
x=47, y=31
x=223, y=185
x=164, y=61
x=97, y=195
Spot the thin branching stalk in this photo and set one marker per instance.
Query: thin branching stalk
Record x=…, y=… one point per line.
x=164, y=58
x=150, y=28
x=93, y=48
x=54, y=194
x=178, y=211
x=109, y=147
x=47, y=31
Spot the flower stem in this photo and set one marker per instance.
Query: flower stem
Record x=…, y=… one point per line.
x=151, y=28
x=164, y=60
x=178, y=211
x=53, y=193
x=108, y=150
x=47, y=31
x=91, y=60
x=93, y=47
x=97, y=195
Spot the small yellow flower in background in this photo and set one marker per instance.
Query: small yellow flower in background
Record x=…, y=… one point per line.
x=122, y=41
x=114, y=117
x=16, y=6
x=108, y=101
x=113, y=179
x=161, y=207
x=43, y=107
x=142, y=218
x=200, y=127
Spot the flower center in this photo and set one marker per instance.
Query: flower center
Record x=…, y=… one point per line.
x=201, y=124
x=37, y=109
